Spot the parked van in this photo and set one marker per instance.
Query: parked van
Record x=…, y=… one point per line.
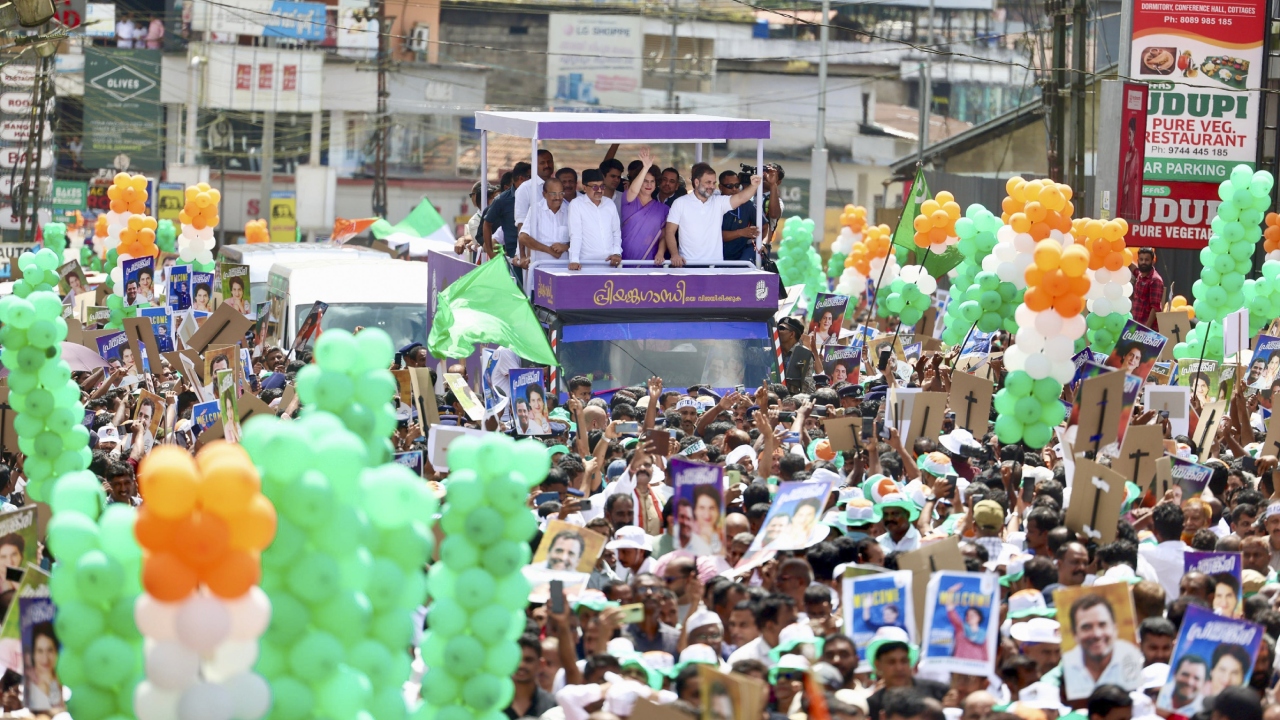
x=361, y=291
x=261, y=256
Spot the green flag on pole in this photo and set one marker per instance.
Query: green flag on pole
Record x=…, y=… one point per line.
x=904, y=234
x=423, y=222
x=485, y=306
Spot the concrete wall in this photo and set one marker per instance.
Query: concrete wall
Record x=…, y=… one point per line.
x=517, y=79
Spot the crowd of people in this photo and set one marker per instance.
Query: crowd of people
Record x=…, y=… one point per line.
x=612, y=213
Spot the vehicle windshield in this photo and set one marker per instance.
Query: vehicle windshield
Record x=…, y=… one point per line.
x=723, y=355
x=404, y=323
x=258, y=292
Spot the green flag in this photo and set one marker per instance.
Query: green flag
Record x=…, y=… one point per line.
x=904, y=234
x=485, y=306
x=423, y=222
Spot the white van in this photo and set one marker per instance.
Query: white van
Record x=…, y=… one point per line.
x=261, y=256
x=360, y=291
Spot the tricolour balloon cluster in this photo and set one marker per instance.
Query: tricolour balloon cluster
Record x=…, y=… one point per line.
x=255, y=231
x=853, y=220
x=54, y=236
x=1110, y=281
x=478, y=590
x=1271, y=236
x=908, y=296
x=344, y=572
x=138, y=238
x=1236, y=230
x=866, y=261
x=128, y=194
x=198, y=217
x=978, y=297
x=798, y=262
x=350, y=379
x=204, y=524
x=1054, y=272
x=935, y=226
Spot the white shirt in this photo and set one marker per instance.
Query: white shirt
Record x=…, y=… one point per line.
x=910, y=541
x=546, y=227
x=1124, y=669
x=1166, y=560
x=525, y=196
x=595, y=232
x=757, y=649
x=700, y=223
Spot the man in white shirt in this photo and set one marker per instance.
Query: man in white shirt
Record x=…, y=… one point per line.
x=527, y=194
x=1166, y=558
x=545, y=233
x=899, y=516
x=595, y=232
x=698, y=216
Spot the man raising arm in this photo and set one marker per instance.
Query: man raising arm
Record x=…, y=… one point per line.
x=701, y=214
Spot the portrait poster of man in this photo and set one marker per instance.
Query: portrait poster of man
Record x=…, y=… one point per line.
x=871, y=602
x=791, y=524
x=962, y=616
x=568, y=548
x=139, y=281
x=699, y=494
x=1212, y=654
x=147, y=414
x=1099, y=638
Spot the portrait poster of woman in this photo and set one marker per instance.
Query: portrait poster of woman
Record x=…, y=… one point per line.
x=235, y=288
x=827, y=316
x=529, y=402
x=699, y=494
x=1137, y=349
x=42, y=689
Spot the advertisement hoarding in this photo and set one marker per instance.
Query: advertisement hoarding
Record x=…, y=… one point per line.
x=1203, y=63
x=594, y=60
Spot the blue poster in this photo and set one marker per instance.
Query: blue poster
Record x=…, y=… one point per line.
x=1212, y=654
x=204, y=414
x=1225, y=570
x=962, y=622
x=297, y=20
x=161, y=326
x=874, y=601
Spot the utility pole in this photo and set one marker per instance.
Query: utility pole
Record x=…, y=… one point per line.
x=1079, y=30
x=818, y=171
x=1057, y=88
x=671, y=56
x=380, y=151
x=926, y=92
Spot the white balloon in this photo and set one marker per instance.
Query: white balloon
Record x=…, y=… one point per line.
x=1064, y=372
x=251, y=694
x=909, y=273
x=203, y=623
x=231, y=658
x=990, y=262
x=1123, y=275
x=172, y=666
x=1113, y=291
x=1030, y=341
x=1024, y=243
x=1102, y=275
x=1038, y=366
x=1102, y=306
x=1074, y=326
x=206, y=701
x=153, y=703
x=1005, y=233
x=1008, y=272
x=1048, y=323
x=1058, y=346
x=204, y=257
x=156, y=620
x=927, y=284
x=1124, y=305
x=204, y=234
x=1004, y=251
x=1014, y=358
x=1126, y=290
x=1024, y=316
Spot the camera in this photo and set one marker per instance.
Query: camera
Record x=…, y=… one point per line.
x=749, y=170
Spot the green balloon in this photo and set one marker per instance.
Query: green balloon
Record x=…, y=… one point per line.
x=484, y=526
x=316, y=656
x=314, y=578
x=345, y=694
x=71, y=535
x=81, y=493
x=98, y=576
x=356, y=569
x=393, y=628
x=482, y=692
x=489, y=624
x=373, y=659
x=336, y=351
x=271, y=661
x=502, y=659
x=475, y=588
x=439, y=687
x=78, y=624
x=463, y=655
x=91, y=703
x=385, y=584
x=346, y=616
x=291, y=699
x=308, y=501
x=504, y=557
x=113, y=661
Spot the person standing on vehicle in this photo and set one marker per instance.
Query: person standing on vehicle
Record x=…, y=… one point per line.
x=698, y=217
x=595, y=233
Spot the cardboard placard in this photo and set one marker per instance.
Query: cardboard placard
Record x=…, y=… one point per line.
x=439, y=437
x=404, y=385
x=142, y=336
x=970, y=399
x=175, y=362
x=89, y=338
x=1164, y=475
x=1175, y=326
x=1097, y=493
x=74, y=330
x=424, y=397
x=1206, y=429
x=225, y=327
x=724, y=693
x=1173, y=399
x=843, y=433
x=1143, y=445
x=926, y=417
x=1101, y=401
x=1235, y=332
x=941, y=555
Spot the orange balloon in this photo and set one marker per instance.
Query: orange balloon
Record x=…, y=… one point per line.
x=1114, y=261
x=202, y=539
x=1034, y=276
x=168, y=482
x=1035, y=211
x=168, y=579
x=233, y=574
x=228, y=487
x=152, y=531
x=1077, y=285
x=1055, y=283
x=256, y=526
x=1020, y=222
x=1069, y=305
x=921, y=224
x=1037, y=300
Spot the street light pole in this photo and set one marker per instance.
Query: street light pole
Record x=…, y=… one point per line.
x=818, y=170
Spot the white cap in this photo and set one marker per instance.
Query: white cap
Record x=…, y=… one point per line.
x=620, y=646
x=1154, y=675
x=792, y=662
x=1272, y=509
x=630, y=537
x=686, y=403
x=1041, y=695
x=702, y=618
x=824, y=474
x=699, y=653
x=622, y=695
x=1037, y=630
x=740, y=452
x=108, y=433
x=796, y=632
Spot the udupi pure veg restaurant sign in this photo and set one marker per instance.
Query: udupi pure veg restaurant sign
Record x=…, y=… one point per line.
x=1204, y=63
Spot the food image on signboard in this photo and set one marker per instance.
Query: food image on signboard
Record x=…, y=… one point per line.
x=1229, y=71
x=1159, y=60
